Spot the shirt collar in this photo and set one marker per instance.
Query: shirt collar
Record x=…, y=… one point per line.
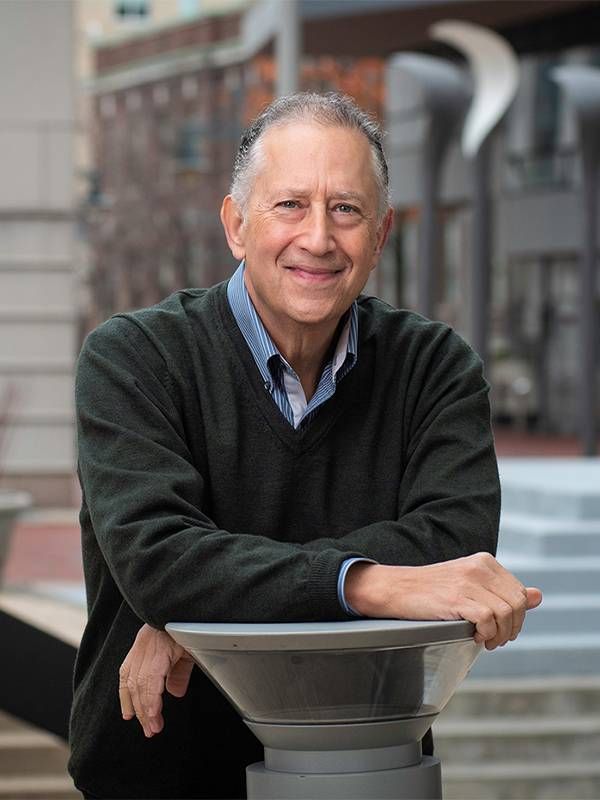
x=262, y=346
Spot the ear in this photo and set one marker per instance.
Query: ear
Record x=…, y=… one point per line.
x=383, y=232
x=233, y=224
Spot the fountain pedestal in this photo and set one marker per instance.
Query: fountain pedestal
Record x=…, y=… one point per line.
x=340, y=708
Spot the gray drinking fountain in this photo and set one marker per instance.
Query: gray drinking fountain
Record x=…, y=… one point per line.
x=340, y=707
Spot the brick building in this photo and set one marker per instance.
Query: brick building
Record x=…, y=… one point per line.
x=170, y=107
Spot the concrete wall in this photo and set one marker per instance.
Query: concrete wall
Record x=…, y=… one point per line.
x=37, y=302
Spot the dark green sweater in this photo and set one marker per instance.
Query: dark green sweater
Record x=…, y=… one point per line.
x=200, y=502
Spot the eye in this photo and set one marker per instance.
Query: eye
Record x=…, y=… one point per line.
x=344, y=208
x=289, y=204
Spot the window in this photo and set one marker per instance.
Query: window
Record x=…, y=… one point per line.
x=191, y=146
x=132, y=9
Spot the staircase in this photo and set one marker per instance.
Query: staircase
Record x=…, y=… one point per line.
x=526, y=723
x=521, y=738
x=550, y=537
x=33, y=764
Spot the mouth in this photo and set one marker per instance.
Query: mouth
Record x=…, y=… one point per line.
x=314, y=275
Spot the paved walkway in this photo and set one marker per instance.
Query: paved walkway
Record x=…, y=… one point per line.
x=46, y=545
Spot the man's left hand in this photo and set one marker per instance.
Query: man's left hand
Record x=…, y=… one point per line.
x=155, y=662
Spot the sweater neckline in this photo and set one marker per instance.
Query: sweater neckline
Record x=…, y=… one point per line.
x=299, y=439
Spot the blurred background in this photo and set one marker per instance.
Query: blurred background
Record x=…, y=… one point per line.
x=119, y=120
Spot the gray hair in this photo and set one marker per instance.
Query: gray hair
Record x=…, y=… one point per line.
x=332, y=109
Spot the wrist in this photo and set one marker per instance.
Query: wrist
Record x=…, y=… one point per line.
x=380, y=590
x=361, y=589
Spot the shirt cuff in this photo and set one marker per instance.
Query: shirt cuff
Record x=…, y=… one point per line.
x=342, y=580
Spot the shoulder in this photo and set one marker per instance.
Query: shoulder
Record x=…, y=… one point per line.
x=163, y=327
x=399, y=326
x=413, y=344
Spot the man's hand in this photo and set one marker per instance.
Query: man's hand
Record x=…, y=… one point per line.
x=154, y=662
x=476, y=588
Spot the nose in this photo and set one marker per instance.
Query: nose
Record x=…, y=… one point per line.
x=316, y=236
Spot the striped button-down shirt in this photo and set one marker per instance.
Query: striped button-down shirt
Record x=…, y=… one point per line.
x=282, y=381
x=278, y=375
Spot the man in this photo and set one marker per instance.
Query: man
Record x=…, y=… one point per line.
x=275, y=448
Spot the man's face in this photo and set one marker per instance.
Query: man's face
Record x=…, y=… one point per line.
x=311, y=234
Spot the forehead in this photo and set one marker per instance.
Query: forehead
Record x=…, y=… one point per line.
x=310, y=154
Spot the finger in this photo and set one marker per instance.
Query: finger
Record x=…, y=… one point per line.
x=133, y=686
x=503, y=613
x=178, y=678
x=510, y=594
x=488, y=604
x=151, y=701
x=140, y=713
x=482, y=617
x=534, y=597
x=519, y=606
x=151, y=685
x=127, y=709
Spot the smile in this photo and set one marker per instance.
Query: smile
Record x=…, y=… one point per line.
x=314, y=276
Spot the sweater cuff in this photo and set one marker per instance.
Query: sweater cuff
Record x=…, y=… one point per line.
x=322, y=601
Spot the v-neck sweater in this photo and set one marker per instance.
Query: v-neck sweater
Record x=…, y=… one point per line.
x=201, y=502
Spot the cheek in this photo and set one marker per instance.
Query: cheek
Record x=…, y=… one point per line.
x=271, y=242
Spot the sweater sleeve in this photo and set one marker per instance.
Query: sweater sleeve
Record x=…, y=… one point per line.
x=146, y=500
x=449, y=494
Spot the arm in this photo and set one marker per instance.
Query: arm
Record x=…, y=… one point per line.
x=146, y=500
x=448, y=509
x=476, y=588
x=146, y=497
x=449, y=493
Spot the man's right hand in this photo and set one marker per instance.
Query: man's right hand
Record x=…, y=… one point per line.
x=155, y=662
x=476, y=588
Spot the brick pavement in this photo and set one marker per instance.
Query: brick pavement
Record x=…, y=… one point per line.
x=46, y=544
x=44, y=551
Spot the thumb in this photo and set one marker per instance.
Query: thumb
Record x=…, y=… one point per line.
x=534, y=597
x=179, y=677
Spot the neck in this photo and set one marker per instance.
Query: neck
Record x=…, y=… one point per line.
x=306, y=351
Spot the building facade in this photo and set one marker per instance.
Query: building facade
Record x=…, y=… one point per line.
x=170, y=106
x=37, y=289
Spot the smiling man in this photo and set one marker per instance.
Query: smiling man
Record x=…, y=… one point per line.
x=276, y=448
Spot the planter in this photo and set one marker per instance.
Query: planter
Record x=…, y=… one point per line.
x=12, y=503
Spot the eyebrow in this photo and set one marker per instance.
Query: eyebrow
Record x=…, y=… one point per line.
x=290, y=191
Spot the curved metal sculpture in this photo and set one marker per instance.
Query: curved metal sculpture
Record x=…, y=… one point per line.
x=581, y=84
x=446, y=93
x=495, y=72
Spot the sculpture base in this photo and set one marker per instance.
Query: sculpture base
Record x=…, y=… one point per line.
x=421, y=781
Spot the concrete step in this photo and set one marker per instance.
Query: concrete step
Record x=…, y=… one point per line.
x=554, y=574
x=10, y=723
x=28, y=751
x=534, y=654
x=33, y=763
x=522, y=781
x=560, y=488
x=490, y=739
x=37, y=607
x=529, y=534
x=548, y=696
x=521, y=738
x=38, y=787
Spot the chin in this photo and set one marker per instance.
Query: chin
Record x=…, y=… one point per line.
x=311, y=316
